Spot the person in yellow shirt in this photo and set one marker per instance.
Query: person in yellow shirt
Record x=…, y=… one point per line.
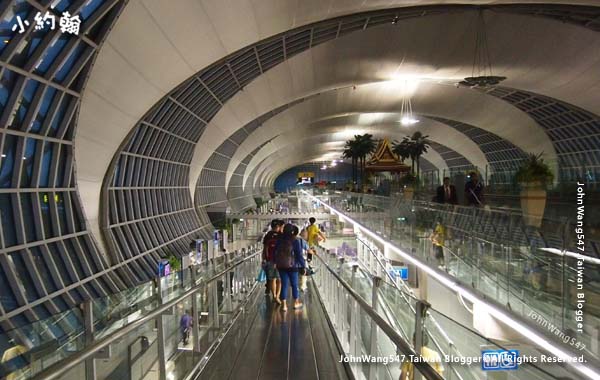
x=429, y=356
x=437, y=237
x=314, y=237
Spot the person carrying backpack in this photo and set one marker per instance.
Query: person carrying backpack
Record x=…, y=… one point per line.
x=269, y=243
x=289, y=262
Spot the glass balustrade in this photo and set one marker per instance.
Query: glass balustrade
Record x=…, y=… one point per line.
x=458, y=346
x=218, y=294
x=494, y=252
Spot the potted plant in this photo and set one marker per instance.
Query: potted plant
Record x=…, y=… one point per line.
x=534, y=176
x=408, y=182
x=174, y=263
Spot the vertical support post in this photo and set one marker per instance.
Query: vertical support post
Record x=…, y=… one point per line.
x=352, y=344
x=214, y=303
x=373, y=339
x=563, y=290
x=497, y=287
x=478, y=271
x=227, y=286
x=88, y=317
x=508, y=270
x=195, y=316
x=162, y=360
x=340, y=304
x=420, y=315
x=341, y=317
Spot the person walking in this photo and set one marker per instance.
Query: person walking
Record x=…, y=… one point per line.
x=185, y=326
x=303, y=237
x=289, y=262
x=437, y=238
x=446, y=193
x=474, y=191
x=269, y=243
x=314, y=236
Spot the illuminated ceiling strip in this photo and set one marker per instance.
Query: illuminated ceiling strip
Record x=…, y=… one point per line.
x=493, y=310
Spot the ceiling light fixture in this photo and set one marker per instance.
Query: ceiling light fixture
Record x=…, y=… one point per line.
x=481, y=72
x=407, y=119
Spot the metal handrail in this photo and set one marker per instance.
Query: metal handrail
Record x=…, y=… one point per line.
x=429, y=372
x=403, y=294
x=58, y=369
x=521, y=325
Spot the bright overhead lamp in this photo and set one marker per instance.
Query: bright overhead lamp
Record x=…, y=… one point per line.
x=408, y=120
x=333, y=163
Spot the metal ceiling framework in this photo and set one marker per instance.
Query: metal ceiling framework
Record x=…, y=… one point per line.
x=211, y=194
x=502, y=155
x=49, y=261
x=575, y=132
x=182, y=116
x=267, y=163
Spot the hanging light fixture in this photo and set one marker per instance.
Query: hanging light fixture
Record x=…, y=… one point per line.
x=481, y=72
x=406, y=114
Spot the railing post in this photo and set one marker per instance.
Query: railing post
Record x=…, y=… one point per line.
x=352, y=344
x=420, y=315
x=508, y=269
x=88, y=319
x=195, y=316
x=160, y=332
x=564, y=285
x=373, y=339
x=340, y=303
x=227, y=286
x=213, y=313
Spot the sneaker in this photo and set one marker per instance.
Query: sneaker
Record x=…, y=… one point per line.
x=298, y=306
x=284, y=307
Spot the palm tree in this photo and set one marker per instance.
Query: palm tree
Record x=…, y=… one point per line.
x=366, y=145
x=402, y=149
x=351, y=152
x=420, y=144
x=407, y=147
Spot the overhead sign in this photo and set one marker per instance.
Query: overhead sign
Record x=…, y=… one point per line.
x=399, y=272
x=306, y=174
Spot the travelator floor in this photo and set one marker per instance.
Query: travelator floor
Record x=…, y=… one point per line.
x=297, y=344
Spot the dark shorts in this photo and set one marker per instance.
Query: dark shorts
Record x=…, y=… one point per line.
x=272, y=273
x=439, y=252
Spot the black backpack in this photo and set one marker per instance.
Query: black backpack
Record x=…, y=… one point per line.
x=284, y=254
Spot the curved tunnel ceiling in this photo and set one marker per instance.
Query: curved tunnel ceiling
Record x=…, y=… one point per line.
x=374, y=111
x=224, y=81
x=53, y=263
x=210, y=107
x=333, y=132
